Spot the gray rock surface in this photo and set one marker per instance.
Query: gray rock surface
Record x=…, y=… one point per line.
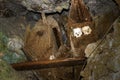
x=104, y=64
x=98, y=7
x=46, y=6
x=7, y=73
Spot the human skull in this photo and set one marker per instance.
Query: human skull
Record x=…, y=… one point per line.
x=77, y=32
x=86, y=30
x=52, y=57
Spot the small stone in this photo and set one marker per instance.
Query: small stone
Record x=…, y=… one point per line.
x=15, y=44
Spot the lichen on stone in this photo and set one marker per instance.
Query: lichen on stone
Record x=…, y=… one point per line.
x=46, y=6
x=105, y=64
x=11, y=55
x=7, y=73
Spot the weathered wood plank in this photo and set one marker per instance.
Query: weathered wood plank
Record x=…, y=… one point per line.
x=48, y=64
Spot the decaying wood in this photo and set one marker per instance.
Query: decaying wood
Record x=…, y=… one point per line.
x=48, y=64
x=79, y=12
x=79, y=17
x=40, y=41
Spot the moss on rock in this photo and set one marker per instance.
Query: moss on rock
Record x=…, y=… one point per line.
x=7, y=73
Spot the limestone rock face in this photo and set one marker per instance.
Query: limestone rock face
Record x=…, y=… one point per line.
x=98, y=7
x=46, y=6
x=13, y=26
x=103, y=13
x=104, y=64
x=7, y=73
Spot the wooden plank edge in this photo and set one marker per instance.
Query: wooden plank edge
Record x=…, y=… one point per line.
x=34, y=65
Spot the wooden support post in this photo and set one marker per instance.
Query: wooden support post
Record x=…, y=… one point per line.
x=79, y=12
x=73, y=70
x=48, y=64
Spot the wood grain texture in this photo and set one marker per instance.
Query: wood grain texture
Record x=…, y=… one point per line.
x=49, y=64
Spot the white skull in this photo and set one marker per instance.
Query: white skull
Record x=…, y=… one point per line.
x=86, y=30
x=77, y=32
x=52, y=57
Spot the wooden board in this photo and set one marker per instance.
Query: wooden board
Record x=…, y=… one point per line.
x=49, y=64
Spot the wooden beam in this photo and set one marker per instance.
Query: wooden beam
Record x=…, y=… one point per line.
x=79, y=12
x=48, y=64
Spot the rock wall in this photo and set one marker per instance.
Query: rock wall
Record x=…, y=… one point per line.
x=103, y=13
x=101, y=65
x=7, y=73
x=98, y=7
x=104, y=63
x=46, y=6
